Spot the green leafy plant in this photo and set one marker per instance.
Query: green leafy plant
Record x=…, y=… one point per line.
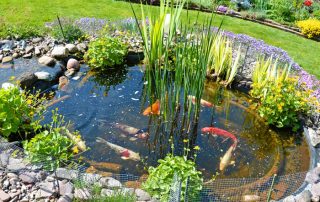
x=106, y=52
x=69, y=32
x=20, y=31
x=17, y=110
x=51, y=147
x=161, y=178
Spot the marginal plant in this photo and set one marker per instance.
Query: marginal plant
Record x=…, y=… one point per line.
x=106, y=52
x=51, y=147
x=66, y=30
x=17, y=112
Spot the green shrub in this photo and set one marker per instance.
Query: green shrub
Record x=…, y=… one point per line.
x=161, y=178
x=17, y=111
x=106, y=52
x=51, y=147
x=281, y=102
x=70, y=33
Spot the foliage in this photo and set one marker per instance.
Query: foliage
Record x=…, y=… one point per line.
x=17, y=110
x=106, y=52
x=310, y=27
x=282, y=102
x=160, y=178
x=241, y=4
x=19, y=31
x=69, y=32
x=51, y=147
x=281, y=10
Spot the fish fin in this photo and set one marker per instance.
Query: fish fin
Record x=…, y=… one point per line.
x=232, y=162
x=124, y=158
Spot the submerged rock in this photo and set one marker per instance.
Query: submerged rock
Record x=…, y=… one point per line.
x=73, y=64
x=7, y=59
x=43, y=76
x=27, y=80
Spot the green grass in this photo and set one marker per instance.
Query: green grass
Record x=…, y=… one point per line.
x=36, y=12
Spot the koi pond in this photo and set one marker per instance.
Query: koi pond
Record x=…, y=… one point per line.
x=108, y=111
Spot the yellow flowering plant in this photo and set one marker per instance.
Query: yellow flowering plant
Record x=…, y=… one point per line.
x=281, y=102
x=310, y=27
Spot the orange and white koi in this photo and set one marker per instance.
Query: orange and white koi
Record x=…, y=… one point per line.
x=153, y=109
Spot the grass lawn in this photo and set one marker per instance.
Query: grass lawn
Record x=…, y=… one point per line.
x=36, y=12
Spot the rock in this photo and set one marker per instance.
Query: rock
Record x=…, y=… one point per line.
x=313, y=175
x=29, y=49
x=142, y=195
x=66, y=198
x=289, y=199
x=12, y=175
x=109, y=182
x=7, y=85
x=28, y=177
x=16, y=164
x=47, y=189
x=8, y=45
x=90, y=178
x=68, y=174
x=72, y=48
x=7, y=59
x=37, y=40
x=27, y=56
x=15, y=55
x=69, y=73
x=59, y=52
x=73, y=64
x=4, y=196
x=106, y=192
x=314, y=138
x=27, y=80
x=4, y=159
x=315, y=198
x=304, y=196
x=315, y=189
x=65, y=188
x=82, y=194
x=37, y=51
x=43, y=76
x=82, y=47
x=1, y=57
x=127, y=190
x=46, y=60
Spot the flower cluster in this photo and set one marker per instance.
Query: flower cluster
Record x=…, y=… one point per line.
x=307, y=3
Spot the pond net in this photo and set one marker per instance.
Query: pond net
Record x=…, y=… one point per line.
x=231, y=189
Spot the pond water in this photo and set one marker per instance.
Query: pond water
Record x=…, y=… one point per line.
x=98, y=104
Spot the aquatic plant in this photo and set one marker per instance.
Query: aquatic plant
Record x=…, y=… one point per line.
x=106, y=52
x=51, y=148
x=17, y=112
x=161, y=178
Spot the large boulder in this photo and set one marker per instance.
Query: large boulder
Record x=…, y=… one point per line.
x=27, y=80
x=73, y=64
x=72, y=48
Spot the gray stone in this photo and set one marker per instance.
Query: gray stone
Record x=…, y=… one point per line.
x=66, y=198
x=315, y=189
x=4, y=158
x=27, y=56
x=37, y=51
x=107, y=192
x=47, y=189
x=73, y=64
x=27, y=80
x=68, y=174
x=46, y=60
x=1, y=57
x=289, y=199
x=4, y=196
x=82, y=47
x=315, y=198
x=59, y=52
x=142, y=195
x=90, y=178
x=28, y=177
x=109, y=182
x=7, y=85
x=304, y=196
x=72, y=48
x=82, y=194
x=314, y=138
x=65, y=188
x=37, y=40
x=29, y=49
x=12, y=175
x=127, y=190
x=7, y=59
x=43, y=76
x=8, y=45
x=16, y=164
x=313, y=175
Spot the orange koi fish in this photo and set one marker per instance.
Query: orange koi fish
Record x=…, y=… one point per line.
x=203, y=102
x=153, y=109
